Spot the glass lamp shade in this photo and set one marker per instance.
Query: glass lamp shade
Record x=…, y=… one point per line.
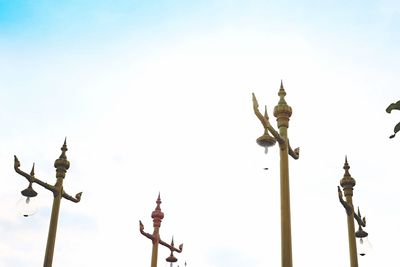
x=27, y=206
x=363, y=246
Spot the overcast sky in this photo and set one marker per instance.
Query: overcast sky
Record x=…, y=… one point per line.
x=155, y=96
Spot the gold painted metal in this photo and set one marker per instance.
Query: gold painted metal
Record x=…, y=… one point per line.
x=348, y=183
x=282, y=112
x=61, y=164
x=157, y=216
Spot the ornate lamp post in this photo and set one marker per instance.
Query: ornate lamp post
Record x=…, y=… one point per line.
x=157, y=216
x=61, y=164
x=348, y=183
x=282, y=112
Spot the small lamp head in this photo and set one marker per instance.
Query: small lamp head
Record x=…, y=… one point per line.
x=363, y=245
x=171, y=258
x=26, y=206
x=266, y=141
x=29, y=192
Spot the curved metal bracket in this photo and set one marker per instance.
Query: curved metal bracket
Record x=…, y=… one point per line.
x=151, y=237
x=32, y=179
x=361, y=222
x=141, y=229
x=75, y=199
x=294, y=153
x=347, y=206
x=171, y=247
x=265, y=122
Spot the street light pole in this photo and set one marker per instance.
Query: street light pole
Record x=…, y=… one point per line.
x=282, y=112
x=348, y=183
x=61, y=164
x=157, y=216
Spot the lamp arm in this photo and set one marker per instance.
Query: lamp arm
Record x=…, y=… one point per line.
x=347, y=206
x=265, y=122
x=361, y=222
x=275, y=134
x=141, y=229
x=172, y=248
x=31, y=178
x=294, y=153
x=75, y=199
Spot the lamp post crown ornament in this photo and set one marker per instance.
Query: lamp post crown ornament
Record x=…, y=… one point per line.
x=282, y=94
x=347, y=182
x=282, y=110
x=62, y=164
x=157, y=214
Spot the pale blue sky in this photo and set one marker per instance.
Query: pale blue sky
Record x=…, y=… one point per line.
x=156, y=96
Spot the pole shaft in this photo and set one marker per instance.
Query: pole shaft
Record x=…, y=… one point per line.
x=286, y=235
x=154, y=253
x=352, y=236
x=51, y=238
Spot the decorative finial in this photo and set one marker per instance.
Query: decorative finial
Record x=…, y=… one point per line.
x=346, y=167
x=266, y=113
x=157, y=214
x=282, y=94
x=282, y=111
x=33, y=170
x=347, y=182
x=64, y=149
x=62, y=164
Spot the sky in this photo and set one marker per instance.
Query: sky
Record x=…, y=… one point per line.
x=155, y=97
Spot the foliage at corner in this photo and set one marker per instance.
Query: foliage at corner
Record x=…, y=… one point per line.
x=394, y=106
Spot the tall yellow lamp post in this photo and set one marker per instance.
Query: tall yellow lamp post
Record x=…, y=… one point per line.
x=61, y=164
x=282, y=112
x=157, y=216
x=348, y=183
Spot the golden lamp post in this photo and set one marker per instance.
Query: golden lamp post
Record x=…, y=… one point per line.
x=157, y=216
x=61, y=164
x=282, y=112
x=348, y=183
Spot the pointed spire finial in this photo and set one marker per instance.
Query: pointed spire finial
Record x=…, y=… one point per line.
x=266, y=113
x=33, y=170
x=158, y=201
x=282, y=94
x=64, y=149
x=346, y=167
x=347, y=182
x=157, y=214
x=62, y=164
